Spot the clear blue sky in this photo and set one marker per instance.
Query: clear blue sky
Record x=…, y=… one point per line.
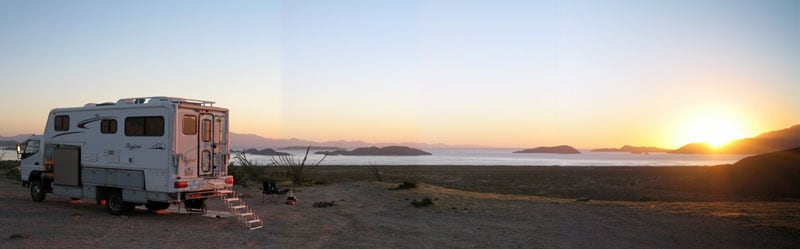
x=503, y=73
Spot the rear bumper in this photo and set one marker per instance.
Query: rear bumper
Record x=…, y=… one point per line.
x=200, y=188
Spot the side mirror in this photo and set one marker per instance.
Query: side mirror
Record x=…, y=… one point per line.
x=19, y=151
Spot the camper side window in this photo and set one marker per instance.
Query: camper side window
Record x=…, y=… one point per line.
x=189, y=125
x=144, y=126
x=61, y=123
x=108, y=126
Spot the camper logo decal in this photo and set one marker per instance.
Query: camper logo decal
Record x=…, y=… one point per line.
x=158, y=146
x=131, y=146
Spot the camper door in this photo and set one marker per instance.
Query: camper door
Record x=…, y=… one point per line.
x=201, y=143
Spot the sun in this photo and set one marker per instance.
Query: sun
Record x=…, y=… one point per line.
x=714, y=130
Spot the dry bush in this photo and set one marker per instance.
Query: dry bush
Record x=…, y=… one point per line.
x=295, y=168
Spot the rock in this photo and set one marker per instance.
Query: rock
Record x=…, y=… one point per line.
x=324, y=204
x=19, y=236
x=562, y=149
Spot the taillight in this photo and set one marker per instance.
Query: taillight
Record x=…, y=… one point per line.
x=229, y=181
x=180, y=184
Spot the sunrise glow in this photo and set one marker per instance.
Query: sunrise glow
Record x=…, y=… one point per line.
x=589, y=74
x=715, y=130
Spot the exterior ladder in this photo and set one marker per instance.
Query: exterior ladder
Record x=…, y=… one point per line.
x=237, y=206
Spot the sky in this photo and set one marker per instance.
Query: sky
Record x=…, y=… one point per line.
x=499, y=73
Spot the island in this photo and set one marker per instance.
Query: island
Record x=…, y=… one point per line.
x=695, y=148
x=562, y=149
x=265, y=152
x=312, y=148
x=633, y=150
x=378, y=151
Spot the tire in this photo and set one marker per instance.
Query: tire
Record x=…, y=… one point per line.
x=156, y=206
x=37, y=191
x=116, y=206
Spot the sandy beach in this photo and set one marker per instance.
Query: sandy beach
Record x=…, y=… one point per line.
x=473, y=207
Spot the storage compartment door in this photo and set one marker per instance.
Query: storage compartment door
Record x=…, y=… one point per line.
x=67, y=166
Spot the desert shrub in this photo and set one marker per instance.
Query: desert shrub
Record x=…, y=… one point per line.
x=424, y=202
x=10, y=169
x=375, y=172
x=246, y=172
x=407, y=185
x=295, y=169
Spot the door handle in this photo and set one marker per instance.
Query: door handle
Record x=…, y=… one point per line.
x=36, y=163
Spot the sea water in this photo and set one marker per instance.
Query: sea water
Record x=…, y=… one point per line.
x=504, y=157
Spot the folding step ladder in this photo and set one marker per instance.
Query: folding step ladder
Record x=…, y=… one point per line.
x=243, y=214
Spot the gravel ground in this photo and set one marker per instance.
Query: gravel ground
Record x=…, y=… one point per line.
x=373, y=215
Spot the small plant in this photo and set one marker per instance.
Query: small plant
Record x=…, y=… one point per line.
x=296, y=169
x=241, y=159
x=11, y=169
x=245, y=171
x=375, y=172
x=422, y=203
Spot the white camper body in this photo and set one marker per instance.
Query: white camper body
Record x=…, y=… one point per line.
x=153, y=151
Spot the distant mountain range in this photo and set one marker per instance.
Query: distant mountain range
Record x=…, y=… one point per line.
x=763, y=143
x=240, y=141
x=766, y=142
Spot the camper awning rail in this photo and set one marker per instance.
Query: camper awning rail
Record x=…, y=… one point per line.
x=147, y=100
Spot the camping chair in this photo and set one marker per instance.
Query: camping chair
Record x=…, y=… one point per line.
x=270, y=189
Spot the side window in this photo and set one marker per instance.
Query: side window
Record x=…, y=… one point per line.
x=108, y=126
x=189, y=125
x=61, y=123
x=144, y=126
x=31, y=148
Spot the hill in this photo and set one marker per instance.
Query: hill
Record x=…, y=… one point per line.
x=376, y=151
x=770, y=174
x=766, y=142
x=561, y=149
x=763, y=143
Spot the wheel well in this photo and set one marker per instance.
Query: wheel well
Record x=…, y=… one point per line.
x=102, y=192
x=35, y=176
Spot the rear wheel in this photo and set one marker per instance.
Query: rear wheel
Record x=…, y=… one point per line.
x=37, y=191
x=116, y=206
x=156, y=206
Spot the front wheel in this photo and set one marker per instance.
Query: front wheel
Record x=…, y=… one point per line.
x=37, y=191
x=116, y=206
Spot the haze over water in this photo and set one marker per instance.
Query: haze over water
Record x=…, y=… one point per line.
x=504, y=157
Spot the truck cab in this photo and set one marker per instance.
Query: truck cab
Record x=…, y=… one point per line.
x=32, y=162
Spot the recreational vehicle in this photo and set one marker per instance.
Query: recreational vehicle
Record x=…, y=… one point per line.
x=154, y=151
